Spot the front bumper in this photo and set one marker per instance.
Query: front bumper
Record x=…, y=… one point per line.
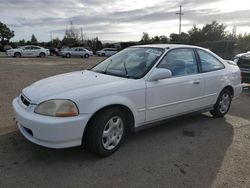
x=51, y=132
x=9, y=53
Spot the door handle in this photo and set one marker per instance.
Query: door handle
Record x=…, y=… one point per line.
x=196, y=82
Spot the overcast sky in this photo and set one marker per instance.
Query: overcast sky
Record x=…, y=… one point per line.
x=118, y=20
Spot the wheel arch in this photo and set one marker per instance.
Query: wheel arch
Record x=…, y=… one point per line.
x=17, y=52
x=230, y=88
x=125, y=109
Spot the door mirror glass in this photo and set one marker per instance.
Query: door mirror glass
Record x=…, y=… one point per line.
x=160, y=74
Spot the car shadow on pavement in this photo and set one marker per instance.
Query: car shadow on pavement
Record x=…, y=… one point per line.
x=187, y=152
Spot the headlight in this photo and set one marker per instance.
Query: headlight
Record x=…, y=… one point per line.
x=57, y=108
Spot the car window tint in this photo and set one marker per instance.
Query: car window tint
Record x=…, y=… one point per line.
x=209, y=62
x=180, y=62
x=27, y=48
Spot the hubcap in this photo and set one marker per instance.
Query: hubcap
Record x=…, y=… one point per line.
x=112, y=133
x=224, y=103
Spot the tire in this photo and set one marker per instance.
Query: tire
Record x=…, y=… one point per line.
x=86, y=56
x=42, y=55
x=103, y=54
x=17, y=54
x=223, y=104
x=106, y=132
x=68, y=55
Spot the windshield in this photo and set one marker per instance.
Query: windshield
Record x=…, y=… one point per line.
x=130, y=63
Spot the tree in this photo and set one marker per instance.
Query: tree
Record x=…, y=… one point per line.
x=33, y=39
x=94, y=44
x=71, y=37
x=164, y=39
x=145, y=38
x=21, y=42
x=174, y=38
x=5, y=34
x=209, y=32
x=214, y=31
x=243, y=43
x=195, y=35
x=184, y=38
x=57, y=43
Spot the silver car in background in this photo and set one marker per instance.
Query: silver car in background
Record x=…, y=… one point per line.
x=76, y=52
x=28, y=51
x=107, y=52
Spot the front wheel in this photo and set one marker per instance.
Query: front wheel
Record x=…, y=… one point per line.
x=17, y=54
x=42, y=55
x=223, y=104
x=106, y=132
x=86, y=56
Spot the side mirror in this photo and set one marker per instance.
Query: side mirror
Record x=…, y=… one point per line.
x=160, y=74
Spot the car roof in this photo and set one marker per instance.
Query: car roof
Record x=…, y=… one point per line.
x=167, y=46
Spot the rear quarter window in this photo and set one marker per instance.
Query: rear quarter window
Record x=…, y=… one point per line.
x=209, y=62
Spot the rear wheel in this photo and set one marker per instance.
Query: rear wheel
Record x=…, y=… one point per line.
x=223, y=103
x=17, y=54
x=103, y=54
x=68, y=55
x=106, y=132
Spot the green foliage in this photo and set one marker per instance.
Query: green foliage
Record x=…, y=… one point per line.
x=209, y=32
x=55, y=43
x=70, y=42
x=243, y=43
x=145, y=38
x=5, y=34
x=21, y=42
x=94, y=44
x=156, y=39
x=33, y=40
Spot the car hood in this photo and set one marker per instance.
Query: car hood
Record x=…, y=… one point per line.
x=57, y=85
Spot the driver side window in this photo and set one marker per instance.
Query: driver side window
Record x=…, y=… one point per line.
x=180, y=62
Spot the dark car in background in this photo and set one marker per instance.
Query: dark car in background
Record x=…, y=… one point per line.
x=243, y=61
x=54, y=51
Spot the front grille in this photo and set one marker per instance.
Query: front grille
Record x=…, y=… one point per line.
x=25, y=101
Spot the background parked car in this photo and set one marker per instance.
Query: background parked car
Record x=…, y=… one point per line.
x=243, y=61
x=76, y=52
x=28, y=51
x=54, y=51
x=107, y=52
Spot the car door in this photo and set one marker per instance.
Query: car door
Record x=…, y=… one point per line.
x=82, y=52
x=26, y=51
x=181, y=93
x=213, y=74
x=75, y=52
x=34, y=51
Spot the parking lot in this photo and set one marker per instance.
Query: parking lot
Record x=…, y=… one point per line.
x=193, y=151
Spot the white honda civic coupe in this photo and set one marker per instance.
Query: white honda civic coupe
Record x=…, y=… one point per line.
x=138, y=86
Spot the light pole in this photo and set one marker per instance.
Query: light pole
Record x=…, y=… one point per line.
x=180, y=13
